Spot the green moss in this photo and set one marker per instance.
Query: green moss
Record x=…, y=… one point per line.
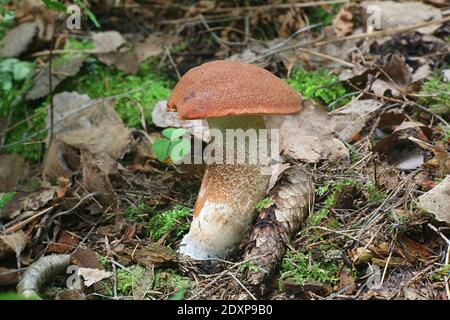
x=101, y=81
x=169, y=221
x=321, y=14
x=318, y=85
x=435, y=94
x=332, y=188
x=300, y=267
x=249, y=266
x=374, y=194
x=5, y=199
x=263, y=203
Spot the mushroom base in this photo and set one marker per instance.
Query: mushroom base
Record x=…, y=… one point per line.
x=225, y=207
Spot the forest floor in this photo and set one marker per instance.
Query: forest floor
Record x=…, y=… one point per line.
x=376, y=145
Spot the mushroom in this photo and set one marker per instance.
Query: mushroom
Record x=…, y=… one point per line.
x=230, y=95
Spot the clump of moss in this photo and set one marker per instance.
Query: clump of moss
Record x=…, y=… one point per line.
x=435, y=94
x=169, y=221
x=332, y=188
x=319, y=85
x=300, y=267
x=145, y=89
x=374, y=194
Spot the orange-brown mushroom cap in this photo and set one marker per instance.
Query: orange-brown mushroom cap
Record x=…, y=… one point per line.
x=229, y=88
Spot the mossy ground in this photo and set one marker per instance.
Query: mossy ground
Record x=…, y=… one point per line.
x=319, y=85
x=435, y=94
x=96, y=80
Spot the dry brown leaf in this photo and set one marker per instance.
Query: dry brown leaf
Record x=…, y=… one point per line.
x=343, y=22
x=154, y=45
x=161, y=118
x=91, y=137
x=92, y=276
x=351, y=119
x=17, y=40
x=397, y=14
x=437, y=201
x=152, y=254
x=13, y=168
x=16, y=241
x=108, y=41
x=399, y=150
x=62, y=68
x=442, y=157
x=308, y=135
x=125, y=61
x=65, y=242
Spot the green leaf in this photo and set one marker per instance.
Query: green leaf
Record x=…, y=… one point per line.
x=89, y=13
x=174, y=133
x=179, y=149
x=21, y=70
x=55, y=5
x=161, y=149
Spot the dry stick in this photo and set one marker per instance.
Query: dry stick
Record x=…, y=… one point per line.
x=26, y=221
x=50, y=88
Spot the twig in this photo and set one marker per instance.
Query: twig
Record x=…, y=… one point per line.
x=447, y=286
x=243, y=287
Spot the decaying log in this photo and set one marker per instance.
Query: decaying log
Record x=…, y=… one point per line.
x=292, y=199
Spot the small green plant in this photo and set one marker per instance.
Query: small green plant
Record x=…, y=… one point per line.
x=333, y=188
x=13, y=71
x=263, y=203
x=318, y=14
x=435, y=94
x=172, y=146
x=249, y=266
x=6, y=18
x=6, y=198
x=439, y=274
x=300, y=267
x=169, y=221
x=318, y=85
x=373, y=193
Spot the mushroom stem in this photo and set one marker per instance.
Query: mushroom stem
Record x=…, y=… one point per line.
x=225, y=207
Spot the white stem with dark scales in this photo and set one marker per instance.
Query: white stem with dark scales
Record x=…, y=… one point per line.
x=225, y=207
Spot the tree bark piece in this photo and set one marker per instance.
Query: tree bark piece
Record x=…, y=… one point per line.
x=292, y=198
